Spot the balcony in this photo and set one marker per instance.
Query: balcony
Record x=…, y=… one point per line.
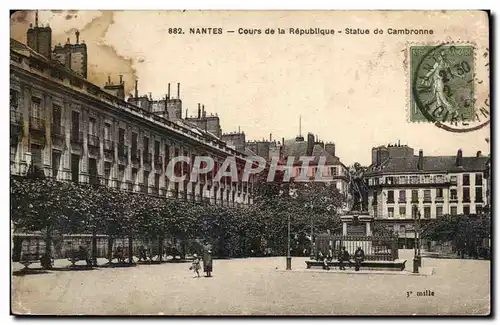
x=16, y=118
x=479, y=199
x=37, y=124
x=109, y=146
x=77, y=137
x=154, y=190
x=453, y=199
x=427, y=199
x=58, y=131
x=439, y=199
x=135, y=156
x=122, y=153
x=466, y=199
x=147, y=158
x=158, y=160
x=93, y=141
x=402, y=200
x=143, y=188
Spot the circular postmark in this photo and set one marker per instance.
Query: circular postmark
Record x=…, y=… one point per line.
x=446, y=88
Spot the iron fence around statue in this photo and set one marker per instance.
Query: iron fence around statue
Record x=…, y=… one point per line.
x=375, y=248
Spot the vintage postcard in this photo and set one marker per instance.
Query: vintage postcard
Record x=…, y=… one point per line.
x=250, y=163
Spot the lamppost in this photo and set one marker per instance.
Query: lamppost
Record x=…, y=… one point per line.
x=293, y=194
x=417, y=260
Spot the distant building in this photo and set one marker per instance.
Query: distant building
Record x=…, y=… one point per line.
x=209, y=123
x=401, y=185
x=235, y=140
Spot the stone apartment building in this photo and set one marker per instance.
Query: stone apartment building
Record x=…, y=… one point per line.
x=75, y=130
x=402, y=184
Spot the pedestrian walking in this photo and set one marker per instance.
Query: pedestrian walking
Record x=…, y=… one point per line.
x=207, y=263
x=195, y=266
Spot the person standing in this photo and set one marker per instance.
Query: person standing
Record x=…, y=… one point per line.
x=343, y=257
x=359, y=256
x=207, y=262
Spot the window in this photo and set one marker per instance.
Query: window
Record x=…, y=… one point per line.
x=92, y=126
x=402, y=196
x=439, y=212
x=466, y=179
x=414, y=195
x=427, y=195
x=134, y=175
x=427, y=179
x=56, y=161
x=36, y=110
x=121, y=173
x=14, y=99
x=414, y=179
x=453, y=180
x=75, y=168
x=402, y=229
x=466, y=194
x=56, y=115
x=134, y=141
x=402, y=212
x=453, y=194
x=157, y=182
x=466, y=210
x=479, y=209
x=107, y=131
x=439, y=193
x=414, y=212
x=146, y=180
x=479, y=194
x=107, y=171
x=402, y=179
x=390, y=196
x=157, y=148
x=121, y=135
x=390, y=212
x=453, y=211
x=427, y=212
x=75, y=123
x=438, y=179
x=145, y=144
x=479, y=179
x=93, y=171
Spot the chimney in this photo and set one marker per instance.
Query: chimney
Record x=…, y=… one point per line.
x=479, y=154
x=204, y=114
x=136, y=90
x=459, y=161
x=77, y=33
x=178, y=90
x=36, y=18
x=270, y=137
x=199, y=111
x=310, y=144
x=186, y=113
x=67, y=41
x=378, y=160
x=109, y=78
x=420, y=164
x=150, y=97
x=330, y=148
x=168, y=95
x=121, y=79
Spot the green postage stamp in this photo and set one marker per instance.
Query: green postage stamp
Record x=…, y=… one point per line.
x=442, y=83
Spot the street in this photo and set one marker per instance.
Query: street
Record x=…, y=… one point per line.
x=257, y=286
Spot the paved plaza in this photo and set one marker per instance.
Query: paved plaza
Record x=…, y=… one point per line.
x=257, y=286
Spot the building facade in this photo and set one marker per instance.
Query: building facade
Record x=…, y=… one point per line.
x=402, y=185
x=75, y=131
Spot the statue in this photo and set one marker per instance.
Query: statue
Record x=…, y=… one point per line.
x=358, y=188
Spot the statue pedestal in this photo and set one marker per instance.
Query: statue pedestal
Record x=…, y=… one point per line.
x=357, y=223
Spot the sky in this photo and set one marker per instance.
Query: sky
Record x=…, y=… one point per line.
x=348, y=89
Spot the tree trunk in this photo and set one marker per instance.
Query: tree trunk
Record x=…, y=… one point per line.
x=94, y=248
x=130, y=250
x=46, y=261
x=160, y=248
x=110, y=248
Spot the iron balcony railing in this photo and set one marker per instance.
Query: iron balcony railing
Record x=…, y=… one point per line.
x=16, y=117
x=37, y=123
x=93, y=141
x=135, y=156
x=109, y=145
x=58, y=131
x=76, y=137
x=122, y=151
x=158, y=160
x=147, y=158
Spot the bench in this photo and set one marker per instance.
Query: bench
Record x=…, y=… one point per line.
x=28, y=259
x=79, y=256
x=398, y=265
